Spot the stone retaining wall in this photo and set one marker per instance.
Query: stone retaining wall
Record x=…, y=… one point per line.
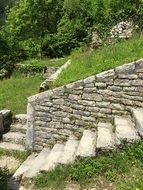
x=55, y=114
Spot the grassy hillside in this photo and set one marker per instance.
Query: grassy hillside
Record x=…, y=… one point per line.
x=15, y=91
x=93, y=62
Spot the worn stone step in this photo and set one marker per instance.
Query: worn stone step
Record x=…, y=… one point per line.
x=138, y=118
x=20, y=118
x=106, y=137
x=12, y=146
x=18, y=128
x=54, y=158
x=37, y=163
x=87, y=144
x=125, y=130
x=14, y=137
x=24, y=167
x=70, y=150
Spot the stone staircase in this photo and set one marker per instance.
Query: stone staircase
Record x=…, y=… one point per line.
x=106, y=137
x=15, y=138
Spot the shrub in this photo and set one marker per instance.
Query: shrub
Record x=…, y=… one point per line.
x=4, y=174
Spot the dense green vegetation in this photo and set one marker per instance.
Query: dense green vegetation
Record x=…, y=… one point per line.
x=15, y=91
x=122, y=167
x=53, y=28
x=89, y=63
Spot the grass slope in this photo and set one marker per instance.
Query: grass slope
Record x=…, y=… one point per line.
x=15, y=91
x=123, y=168
x=93, y=62
x=46, y=62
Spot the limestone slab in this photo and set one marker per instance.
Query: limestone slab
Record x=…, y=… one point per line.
x=87, y=144
x=125, y=130
x=105, y=139
x=24, y=167
x=138, y=116
x=54, y=158
x=70, y=149
x=12, y=146
x=37, y=163
x=14, y=137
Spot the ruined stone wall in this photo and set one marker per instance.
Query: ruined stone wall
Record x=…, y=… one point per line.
x=54, y=115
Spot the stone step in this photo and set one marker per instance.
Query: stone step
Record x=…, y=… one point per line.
x=14, y=137
x=70, y=150
x=18, y=128
x=11, y=146
x=106, y=137
x=24, y=167
x=37, y=163
x=125, y=130
x=54, y=158
x=138, y=117
x=87, y=144
x=20, y=118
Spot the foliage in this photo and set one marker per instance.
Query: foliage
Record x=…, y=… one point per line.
x=92, y=62
x=4, y=174
x=33, y=19
x=56, y=27
x=117, y=164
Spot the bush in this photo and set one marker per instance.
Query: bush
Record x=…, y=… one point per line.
x=4, y=174
x=8, y=56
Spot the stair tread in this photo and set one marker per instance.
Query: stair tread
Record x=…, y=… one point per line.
x=125, y=129
x=106, y=138
x=37, y=163
x=24, y=167
x=12, y=146
x=138, y=116
x=87, y=144
x=70, y=149
x=54, y=158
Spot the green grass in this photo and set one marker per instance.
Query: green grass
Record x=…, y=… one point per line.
x=93, y=62
x=19, y=155
x=15, y=91
x=46, y=62
x=123, y=168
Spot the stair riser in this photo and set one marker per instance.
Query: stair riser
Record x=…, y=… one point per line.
x=138, y=125
x=14, y=141
x=16, y=129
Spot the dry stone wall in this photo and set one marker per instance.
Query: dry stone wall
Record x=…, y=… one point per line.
x=55, y=114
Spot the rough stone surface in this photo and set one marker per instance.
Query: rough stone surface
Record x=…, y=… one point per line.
x=125, y=130
x=54, y=158
x=70, y=149
x=106, y=138
x=56, y=114
x=36, y=164
x=7, y=119
x=87, y=144
x=14, y=137
x=138, y=116
x=12, y=146
x=24, y=167
x=122, y=30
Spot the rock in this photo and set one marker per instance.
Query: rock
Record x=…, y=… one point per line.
x=95, y=40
